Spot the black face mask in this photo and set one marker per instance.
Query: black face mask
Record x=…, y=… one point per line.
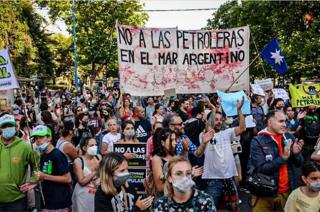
x=85, y=123
x=311, y=111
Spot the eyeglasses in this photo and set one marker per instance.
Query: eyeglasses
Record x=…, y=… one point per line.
x=179, y=124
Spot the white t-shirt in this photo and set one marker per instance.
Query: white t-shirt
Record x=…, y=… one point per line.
x=219, y=161
x=109, y=139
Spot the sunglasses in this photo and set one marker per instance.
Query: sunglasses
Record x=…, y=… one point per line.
x=179, y=124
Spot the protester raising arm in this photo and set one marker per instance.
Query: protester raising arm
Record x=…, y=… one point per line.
x=242, y=124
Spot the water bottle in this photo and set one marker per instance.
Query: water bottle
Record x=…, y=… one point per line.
x=45, y=168
x=50, y=167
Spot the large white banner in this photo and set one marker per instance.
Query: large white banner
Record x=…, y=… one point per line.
x=7, y=78
x=152, y=60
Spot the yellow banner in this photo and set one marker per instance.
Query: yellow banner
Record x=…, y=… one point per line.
x=304, y=95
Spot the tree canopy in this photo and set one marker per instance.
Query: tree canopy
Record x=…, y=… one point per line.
x=295, y=24
x=95, y=30
x=36, y=51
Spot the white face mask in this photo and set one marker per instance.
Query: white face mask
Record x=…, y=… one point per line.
x=183, y=185
x=93, y=150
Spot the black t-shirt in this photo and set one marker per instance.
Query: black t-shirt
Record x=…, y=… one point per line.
x=193, y=127
x=56, y=195
x=104, y=202
x=184, y=116
x=143, y=130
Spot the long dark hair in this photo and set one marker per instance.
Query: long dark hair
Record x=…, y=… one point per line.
x=161, y=134
x=156, y=107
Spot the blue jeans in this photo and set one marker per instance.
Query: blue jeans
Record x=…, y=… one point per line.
x=18, y=205
x=215, y=190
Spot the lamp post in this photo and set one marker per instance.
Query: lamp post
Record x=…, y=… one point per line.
x=74, y=46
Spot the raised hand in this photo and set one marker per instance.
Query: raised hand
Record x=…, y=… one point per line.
x=240, y=103
x=207, y=136
x=185, y=144
x=286, y=151
x=297, y=146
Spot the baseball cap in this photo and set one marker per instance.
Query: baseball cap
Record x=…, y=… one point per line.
x=7, y=119
x=41, y=130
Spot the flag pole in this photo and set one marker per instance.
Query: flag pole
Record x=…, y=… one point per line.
x=242, y=73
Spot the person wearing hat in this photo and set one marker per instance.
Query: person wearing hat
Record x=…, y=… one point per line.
x=258, y=112
x=15, y=156
x=54, y=174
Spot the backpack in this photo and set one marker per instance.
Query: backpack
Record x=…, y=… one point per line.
x=311, y=127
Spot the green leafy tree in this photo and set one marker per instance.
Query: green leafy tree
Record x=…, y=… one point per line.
x=284, y=20
x=95, y=26
x=41, y=40
x=14, y=34
x=61, y=49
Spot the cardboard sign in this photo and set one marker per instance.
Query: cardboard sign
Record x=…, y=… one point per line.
x=280, y=93
x=152, y=60
x=137, y=166
x=256, y=89
x=265, y=84
x=136, y=179
x=229, y=103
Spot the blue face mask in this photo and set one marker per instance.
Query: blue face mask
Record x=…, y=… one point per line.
x=42, y=147
x=8, y=133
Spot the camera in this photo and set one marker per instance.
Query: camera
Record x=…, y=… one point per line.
x=236, y=147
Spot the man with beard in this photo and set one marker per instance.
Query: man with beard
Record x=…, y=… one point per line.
x=219, y=163
x=184, y=144
x=183, y=110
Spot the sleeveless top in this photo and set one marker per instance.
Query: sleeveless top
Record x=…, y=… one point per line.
x=60, y=146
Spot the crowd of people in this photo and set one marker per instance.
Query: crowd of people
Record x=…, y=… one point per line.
x=57, y=153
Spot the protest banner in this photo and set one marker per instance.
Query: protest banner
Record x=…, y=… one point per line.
x=229, y=102
x=256, y=89
x=304, y=95
x=137, y=166
x=280, y=93
x=265, y=84
x=152, y=60
x=7, y=78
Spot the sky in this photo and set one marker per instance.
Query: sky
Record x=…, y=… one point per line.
x=182, y=19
